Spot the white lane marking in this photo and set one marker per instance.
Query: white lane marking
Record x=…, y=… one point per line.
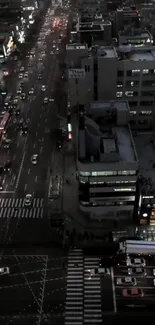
x=28, y=171
x=13, y=178
x=14, y=157
x=34, y=145
x=20, y=170
x=41, y=149
x=113, y=290
x=36, y=178
x=25, y=187
x=17, y=144
x=36, y=134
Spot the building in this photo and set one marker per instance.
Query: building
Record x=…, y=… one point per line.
x=108, y=73
x=107, y=163
x=10, y=10
x=127, y=17
x=135, y=37
x=95, y=31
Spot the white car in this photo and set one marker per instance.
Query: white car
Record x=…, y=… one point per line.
x=43, y=88
x=22, y=69
x=28, y=200
x=46, y=100
x=19, y=90
x=51, y=99
x=101, y=270
x=31, y=91
x=20, y=76
x=26, y=75
x=34, y=159
x=135, y=262
x=126, y=281
x=154, y=272
x=154, y=282
x=4, y=270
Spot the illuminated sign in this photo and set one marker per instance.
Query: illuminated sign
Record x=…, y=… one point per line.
x=76, y=73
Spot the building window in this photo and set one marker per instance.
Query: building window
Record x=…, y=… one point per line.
x=126, y=172
x=145, y=71
x=147, y=103
x=145, y=113
x=132, y=83
x=119, y=94
x=135, y=72
x=120, y=73
x=119, y=85
x=132, y=112
x=129, y=93
x=134, y=103
x=147, y=93
x=129, y=73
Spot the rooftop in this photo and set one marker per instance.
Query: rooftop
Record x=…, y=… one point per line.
x=104, y=51
x=104, y=135
x=76, y=46
x=135, y=33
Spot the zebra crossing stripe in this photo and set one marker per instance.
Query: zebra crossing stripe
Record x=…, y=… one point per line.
x=20, y=203
x=34, y=213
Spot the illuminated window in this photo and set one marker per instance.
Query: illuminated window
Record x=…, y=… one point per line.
x=145, y=71
x=119, y=94
x=132, y=112
x=129, y=93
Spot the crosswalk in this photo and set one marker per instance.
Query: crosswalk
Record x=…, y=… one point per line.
x=15, y=208
x=74, y=295
x=92, y=293
x=19, y=203
x=83, y=294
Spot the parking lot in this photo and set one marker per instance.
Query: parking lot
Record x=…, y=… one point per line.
x=34, y=291
x=143, y=282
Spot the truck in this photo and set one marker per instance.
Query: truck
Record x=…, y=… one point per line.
x=54, y=187
x=140, y=247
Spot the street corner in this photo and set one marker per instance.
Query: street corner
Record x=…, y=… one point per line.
x=21, y=287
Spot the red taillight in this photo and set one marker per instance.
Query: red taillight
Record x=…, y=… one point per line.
x=70, y=136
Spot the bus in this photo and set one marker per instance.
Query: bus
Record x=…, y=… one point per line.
x=141, y=247
x=8, y=100
x=54, y=187
x=4, y=122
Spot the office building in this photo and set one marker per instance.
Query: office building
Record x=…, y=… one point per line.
x=107, y=163
x=108, y=73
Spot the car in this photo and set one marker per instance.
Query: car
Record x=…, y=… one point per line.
x=126, y=281
x=26, y=75
x=39, y=77
x=7, y=166
x=20, y=76
x=22, y=69
x=34, y=159
x=154, y=282
x=19, y=90
x=153, y=272
x=139, y=271
x=6, y=143
x=135, y=262
x=40, y=59
x=46, y=100
x=17, y=111
x=132, y=293
x=43, y=88
x=29, y=65
x=95, y=271
x=28, y=200
x=24, y=129
x=51, y=99
x=4, y=270
x=23, y=96
x=31, y=91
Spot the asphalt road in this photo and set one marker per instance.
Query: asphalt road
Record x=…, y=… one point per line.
x=34, y=290
x=24, y=177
